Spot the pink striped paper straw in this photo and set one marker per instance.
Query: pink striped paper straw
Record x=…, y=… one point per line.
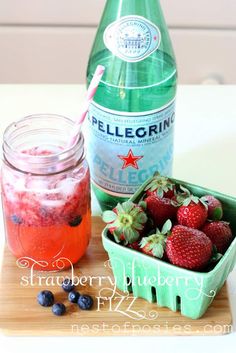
x=88, y=99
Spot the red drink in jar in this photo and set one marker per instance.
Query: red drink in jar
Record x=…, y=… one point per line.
x=45, y=192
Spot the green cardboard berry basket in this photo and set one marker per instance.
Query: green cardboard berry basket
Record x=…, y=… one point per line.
x=170, y=286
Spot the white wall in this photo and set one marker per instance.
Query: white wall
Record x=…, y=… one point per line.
x=48, y=41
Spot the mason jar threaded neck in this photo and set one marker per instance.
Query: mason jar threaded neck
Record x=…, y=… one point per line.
x=42, y=132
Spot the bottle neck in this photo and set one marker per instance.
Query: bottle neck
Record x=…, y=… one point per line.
x=145, y=8
x=133, y=44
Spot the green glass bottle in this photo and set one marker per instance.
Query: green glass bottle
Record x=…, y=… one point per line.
x=131, y=121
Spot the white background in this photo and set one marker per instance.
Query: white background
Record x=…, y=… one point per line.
x=51, y=39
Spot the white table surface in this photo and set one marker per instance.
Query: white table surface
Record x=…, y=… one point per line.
x=205, y=147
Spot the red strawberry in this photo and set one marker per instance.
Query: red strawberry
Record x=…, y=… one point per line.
x=220, y=234
x=193, y=214
x=126, y=222
x=192, y=211
x=215, y=209
x=155, y=244
x=188, y=248
x=135, y=245
x=160, y=186
x=160, y=209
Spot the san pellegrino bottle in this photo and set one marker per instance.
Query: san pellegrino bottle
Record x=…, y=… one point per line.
x=131, y=121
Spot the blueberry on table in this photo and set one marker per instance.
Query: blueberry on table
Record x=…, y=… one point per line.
x=85, y=302
x=73, y=296
x=45, y=298
x=16, y=219
x=75, y=222
x=58, y=309
x=67, y=285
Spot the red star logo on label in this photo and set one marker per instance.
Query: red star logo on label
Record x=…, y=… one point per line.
x=130, y=160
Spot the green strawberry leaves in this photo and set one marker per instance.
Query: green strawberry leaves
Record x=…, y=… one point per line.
x=158, y=251
x=109, y=216
x=185, y=190
x=125, y=222
x=217, y=214
x=184, y=198
x=143, y=205
x=160, y=184
x=156, y=243
x=125, y=207
x=166, y=227
x=131, y=235
x=215, y=255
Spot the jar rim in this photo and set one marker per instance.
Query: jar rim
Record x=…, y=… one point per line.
x=28, y=163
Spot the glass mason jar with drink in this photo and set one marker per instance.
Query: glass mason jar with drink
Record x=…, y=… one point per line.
x=131, y=120
x=45, y=192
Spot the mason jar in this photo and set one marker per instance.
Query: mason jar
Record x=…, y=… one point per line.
x=45, y=192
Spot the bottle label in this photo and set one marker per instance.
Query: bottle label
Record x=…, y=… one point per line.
x=124, y=149
x=132, y=38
